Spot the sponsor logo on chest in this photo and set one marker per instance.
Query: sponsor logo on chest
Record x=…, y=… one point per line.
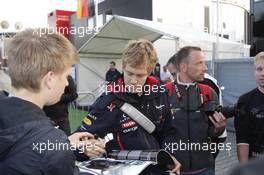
x=128, y=124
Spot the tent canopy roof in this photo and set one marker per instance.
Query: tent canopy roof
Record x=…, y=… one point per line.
x=111, y=39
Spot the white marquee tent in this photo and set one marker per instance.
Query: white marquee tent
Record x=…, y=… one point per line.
x=110, y=40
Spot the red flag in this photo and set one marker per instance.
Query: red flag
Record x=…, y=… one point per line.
x=82, y=9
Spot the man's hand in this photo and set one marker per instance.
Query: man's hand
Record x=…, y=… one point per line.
x=219, y=122
x=243, y=152
x=78, y=137
x=85, y=142
x=176, y=167
x=94, y=147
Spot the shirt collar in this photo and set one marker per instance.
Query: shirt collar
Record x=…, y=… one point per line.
x=184, y=84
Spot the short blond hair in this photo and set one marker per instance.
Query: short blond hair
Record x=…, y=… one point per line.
x=260, y=55
x=34, y=52
x=140, y=52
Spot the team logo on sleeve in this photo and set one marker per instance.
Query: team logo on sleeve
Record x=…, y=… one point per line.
x=87, y=121
x=111, y=107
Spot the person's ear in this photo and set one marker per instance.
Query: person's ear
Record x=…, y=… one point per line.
x=183, y=67
x=48, y=80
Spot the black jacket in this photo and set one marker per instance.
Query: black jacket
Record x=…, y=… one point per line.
x=104, y=117
x=191, y=127
x=23, y=128
x=3, y=93
x=249, y=122
x=112, y=75
x=60, y=109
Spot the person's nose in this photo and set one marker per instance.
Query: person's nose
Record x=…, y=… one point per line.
x=205, y=68
x=262, y=73
x=133, y=80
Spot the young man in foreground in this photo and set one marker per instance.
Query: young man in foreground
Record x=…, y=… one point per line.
x=39, y=63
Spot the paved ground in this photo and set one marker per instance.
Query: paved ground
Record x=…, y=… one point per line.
x=226, y=160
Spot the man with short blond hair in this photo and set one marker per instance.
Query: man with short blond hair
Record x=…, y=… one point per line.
x=39, y=63
x=38, y=55
x=140, y=53
x=137, y=88
x=250, y=122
